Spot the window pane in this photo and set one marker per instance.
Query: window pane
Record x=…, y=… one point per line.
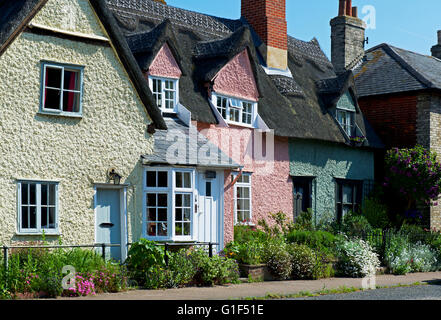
x=151, y=179
x=53, y=77
x=71, y=80
x=151, y=214
x=187, y=200
x=178, y=179
x=33, y=217
x=162, y=200
x=24, y=193
x=234, y=114
x=52, y=188
x=162, y=179
x=71, y=101
x=44, y=194
x=151, y=229
x=187, y=180
x=187, y=214
x=208, y=189
x=24, y=217
x=44, y=218
x=178, y=214
x=162, y=215
x=347, y=194
x=52, y=99
x=162, y=230
x=52, y=224
x=178, y=200
x=178, y=229
x=186, y=229
x=33, y=194
x=151, y=199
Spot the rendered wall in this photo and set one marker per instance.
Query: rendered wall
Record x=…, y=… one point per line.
x=326, y=162
x=271, y=185
x=76, y=152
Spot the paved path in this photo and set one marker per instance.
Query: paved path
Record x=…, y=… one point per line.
x=263, y=288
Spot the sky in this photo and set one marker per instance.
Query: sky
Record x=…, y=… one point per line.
x=407, y=24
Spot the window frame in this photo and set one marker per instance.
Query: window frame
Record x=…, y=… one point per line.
x=241, y=109
x=62, y=67
x=171, y=192
x=38, y=230
x=163, y=90
x=299, y=181
x=243, y=185
x=349, y=115
x=357, y=196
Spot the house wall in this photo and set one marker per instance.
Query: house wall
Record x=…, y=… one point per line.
x=271, y=185
x=76, y=152
x=165, y=65
x=327, y=161
x=393, y=117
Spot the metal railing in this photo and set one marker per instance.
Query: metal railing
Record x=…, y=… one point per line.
x=104, y=246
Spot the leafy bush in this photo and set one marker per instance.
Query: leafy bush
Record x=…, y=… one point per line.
x=303, y=261
x=356, y=258
x=245, y=234
x=304, y=221
x=212, y=271
x=355, y=225
x=145, y=263
x=278, y=260
x=402, y=256
x=376, y=213
x=180, y=271
x=250, y=253
x=320, y=240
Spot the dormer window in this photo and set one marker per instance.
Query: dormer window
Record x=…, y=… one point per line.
x=346, y=120
x=165, y=92
x=235, y=111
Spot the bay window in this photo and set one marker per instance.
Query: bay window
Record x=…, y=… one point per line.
x=169, y=203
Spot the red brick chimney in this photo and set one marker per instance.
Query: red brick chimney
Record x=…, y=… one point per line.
x=268, y=19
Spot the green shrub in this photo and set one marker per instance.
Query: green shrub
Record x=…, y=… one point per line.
x=376, y=213
x=304, y=221
x=355, y=225
x=278, y=260
x=250, y=253
x=303, y=261
x=319, y=240
x=397, y=255
x=212, y=271
x=145, y=263
x=180, y=271
x=245, y=234
x=356, y=258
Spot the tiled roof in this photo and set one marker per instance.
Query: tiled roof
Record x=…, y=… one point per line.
x=190, y=140
x=387, y=69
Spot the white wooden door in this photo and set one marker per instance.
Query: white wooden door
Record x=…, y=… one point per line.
x=208, y=218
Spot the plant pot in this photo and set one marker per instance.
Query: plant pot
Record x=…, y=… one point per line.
x=255, y=272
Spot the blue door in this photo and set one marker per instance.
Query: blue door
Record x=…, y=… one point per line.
x=108, y=220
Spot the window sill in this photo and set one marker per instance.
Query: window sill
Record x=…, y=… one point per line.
x=61, y=114
x=52, y=234
x=248, y=224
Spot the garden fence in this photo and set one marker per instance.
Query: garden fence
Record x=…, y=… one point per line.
x=379, y=239
x=103, y=247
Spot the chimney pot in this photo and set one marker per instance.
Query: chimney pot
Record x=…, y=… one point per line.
x=355, y=12
x=349, y=7
x=342, y=8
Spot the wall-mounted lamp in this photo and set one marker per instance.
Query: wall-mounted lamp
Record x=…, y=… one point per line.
x=114, y=176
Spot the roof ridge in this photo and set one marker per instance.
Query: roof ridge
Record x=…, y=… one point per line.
x=415, y=73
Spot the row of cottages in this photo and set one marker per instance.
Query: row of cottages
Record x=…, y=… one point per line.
x=76, y=118
x=399, y=91
x=175, y=129
x=274, y=104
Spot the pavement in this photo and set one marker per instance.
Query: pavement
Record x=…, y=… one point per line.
x=262, y=289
